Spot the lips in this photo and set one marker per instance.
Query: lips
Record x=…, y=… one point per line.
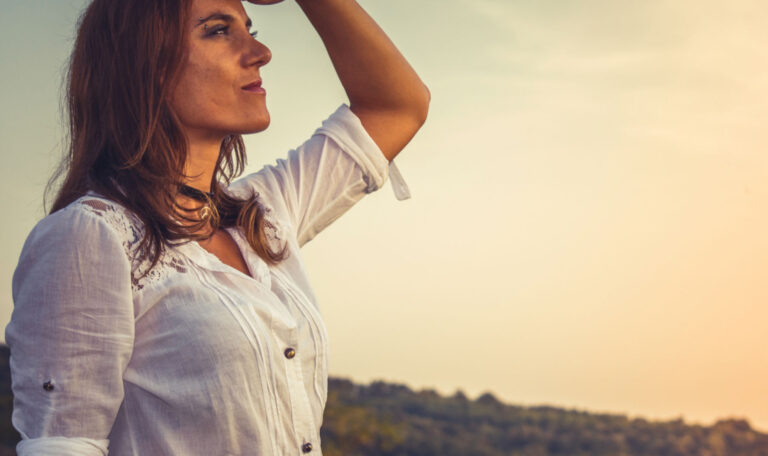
x=253, y=85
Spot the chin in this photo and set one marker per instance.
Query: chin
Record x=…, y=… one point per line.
x=255, y=126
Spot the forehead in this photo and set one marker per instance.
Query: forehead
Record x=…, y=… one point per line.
x=205, y=8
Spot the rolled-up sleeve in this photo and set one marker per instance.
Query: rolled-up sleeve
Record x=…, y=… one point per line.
x=71, y=334
x=325, y=176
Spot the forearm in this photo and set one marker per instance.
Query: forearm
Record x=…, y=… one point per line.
x=374, y=74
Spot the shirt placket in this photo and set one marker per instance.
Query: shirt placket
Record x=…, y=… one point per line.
x=301, y=411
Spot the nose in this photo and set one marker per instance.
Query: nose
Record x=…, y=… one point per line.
x=258, y=54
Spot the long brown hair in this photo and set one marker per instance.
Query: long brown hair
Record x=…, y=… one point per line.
x=126, y=143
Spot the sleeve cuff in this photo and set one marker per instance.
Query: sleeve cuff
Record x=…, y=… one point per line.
x=60, y=446
x=345, y=128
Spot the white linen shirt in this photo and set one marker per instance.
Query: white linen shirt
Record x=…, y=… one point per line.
x=196, y=358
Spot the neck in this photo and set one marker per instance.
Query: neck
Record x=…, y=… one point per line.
x=202, y=155
x=195, y=194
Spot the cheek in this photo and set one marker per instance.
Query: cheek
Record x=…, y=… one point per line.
x=203, y=87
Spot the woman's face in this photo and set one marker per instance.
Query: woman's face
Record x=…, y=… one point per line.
x=213, y=99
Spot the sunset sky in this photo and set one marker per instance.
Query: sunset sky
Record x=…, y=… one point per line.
x=588, y=223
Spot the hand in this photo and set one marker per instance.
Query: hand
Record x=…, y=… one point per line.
x=263, y=2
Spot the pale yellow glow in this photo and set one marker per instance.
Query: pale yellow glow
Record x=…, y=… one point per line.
x=588, y=223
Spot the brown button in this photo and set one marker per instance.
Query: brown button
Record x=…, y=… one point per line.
x=307, y=447
x=290, y=353
x=48, y=386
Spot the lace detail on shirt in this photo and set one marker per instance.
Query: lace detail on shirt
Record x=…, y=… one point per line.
x=129, y=227
x=273, y=229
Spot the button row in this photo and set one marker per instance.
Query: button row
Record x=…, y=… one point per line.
x=290, y=353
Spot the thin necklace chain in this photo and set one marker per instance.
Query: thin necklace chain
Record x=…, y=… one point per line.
x=196, y=194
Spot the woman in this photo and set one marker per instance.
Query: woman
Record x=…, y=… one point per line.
x=159, y=310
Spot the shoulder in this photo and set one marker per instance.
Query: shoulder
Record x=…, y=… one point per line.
x=90, y=240
x=91, y=219
x=111, y=212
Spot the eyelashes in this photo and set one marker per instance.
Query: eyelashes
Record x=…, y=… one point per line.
x=225, y=29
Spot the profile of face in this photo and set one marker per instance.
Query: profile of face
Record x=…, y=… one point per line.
x=219, y=91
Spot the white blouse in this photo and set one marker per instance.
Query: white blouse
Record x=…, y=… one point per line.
x=196, y=358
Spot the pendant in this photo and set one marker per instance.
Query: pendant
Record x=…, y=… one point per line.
x=205, y=213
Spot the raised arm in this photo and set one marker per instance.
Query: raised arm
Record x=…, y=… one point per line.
x=384, y=91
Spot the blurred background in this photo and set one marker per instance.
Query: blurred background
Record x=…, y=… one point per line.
x=587, y=228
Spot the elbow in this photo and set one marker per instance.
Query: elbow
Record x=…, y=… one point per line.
x=422, y=108
x=427, y=99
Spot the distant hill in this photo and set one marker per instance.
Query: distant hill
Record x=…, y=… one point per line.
x=391, y=419
x=386, y=419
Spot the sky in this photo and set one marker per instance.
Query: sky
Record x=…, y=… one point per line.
x=587, y=227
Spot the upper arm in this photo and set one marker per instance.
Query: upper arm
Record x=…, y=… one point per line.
x=324, y=177
x=73, y=326
x=392, y=130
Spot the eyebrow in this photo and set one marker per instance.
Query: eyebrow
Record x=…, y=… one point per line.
x=224, y=17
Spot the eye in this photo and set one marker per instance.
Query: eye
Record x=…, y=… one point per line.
x=216, y=30
x=225, y=30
